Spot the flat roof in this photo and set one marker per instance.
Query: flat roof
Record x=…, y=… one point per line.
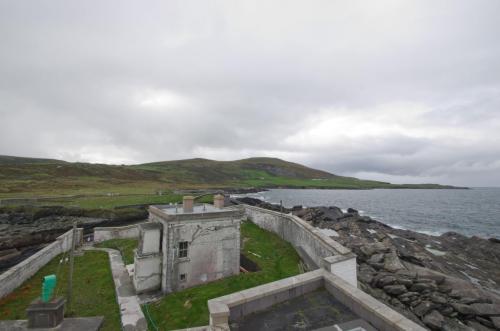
x=204, y=208
x=311, y=311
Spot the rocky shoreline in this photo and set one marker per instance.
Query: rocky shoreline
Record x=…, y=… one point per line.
x=447, y=282
x=25, y=230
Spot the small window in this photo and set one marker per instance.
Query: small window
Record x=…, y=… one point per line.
x=183, y=277
x=183, y=249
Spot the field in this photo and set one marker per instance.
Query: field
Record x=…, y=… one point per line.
x=92, y=282
x=276, y=258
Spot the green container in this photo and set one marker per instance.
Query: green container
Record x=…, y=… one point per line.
x=48, y=287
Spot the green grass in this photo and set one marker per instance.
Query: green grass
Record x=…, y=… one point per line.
x=93, y=290
x=188, y=308
x=108, y=202
x=125, y=246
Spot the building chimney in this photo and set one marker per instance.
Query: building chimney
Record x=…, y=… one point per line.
x=219, y=201
x=187, y=204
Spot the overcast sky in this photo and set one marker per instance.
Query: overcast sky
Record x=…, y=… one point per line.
x=404, y=91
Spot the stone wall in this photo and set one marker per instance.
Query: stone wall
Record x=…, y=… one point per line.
x=119, y=232
x=16, y=275
x=324, y=251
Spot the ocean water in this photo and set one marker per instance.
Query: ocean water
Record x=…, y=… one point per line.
x=470, y=212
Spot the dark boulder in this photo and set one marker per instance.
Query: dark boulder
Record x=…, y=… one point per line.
x=376, y=258
x=463, y=309
x=496, y=321
x=451, y=324
x=437, y=298
x=421, y=287
x=424, y=307
x=434, y=320
x=395, y=289
x=478, y=326
x=486, y=309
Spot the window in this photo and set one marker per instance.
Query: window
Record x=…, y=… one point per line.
x=183, y=277
x=183, y=249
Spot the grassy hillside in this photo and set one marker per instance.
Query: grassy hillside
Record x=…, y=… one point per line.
x=21, y=177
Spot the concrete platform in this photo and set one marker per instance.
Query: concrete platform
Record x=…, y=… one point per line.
x=356, y=325
x=314, y=310
x=68, y=324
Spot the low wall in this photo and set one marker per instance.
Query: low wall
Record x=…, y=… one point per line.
x=22, y=271
x=119, y=232
x=232, y=307
x=321, y=249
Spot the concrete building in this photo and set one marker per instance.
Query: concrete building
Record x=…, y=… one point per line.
x=183, y=246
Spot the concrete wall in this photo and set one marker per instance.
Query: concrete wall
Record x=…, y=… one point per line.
x=213, y=251
x=305, y=237
x=120, y=232
x=147, y=272
x=367, y=307
x=232, y=307
x=19, y=273
x=344, y=266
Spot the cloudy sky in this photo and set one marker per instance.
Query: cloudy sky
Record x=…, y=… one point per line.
x=404, y=91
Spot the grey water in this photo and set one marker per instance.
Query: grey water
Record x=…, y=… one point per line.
x=470, y=212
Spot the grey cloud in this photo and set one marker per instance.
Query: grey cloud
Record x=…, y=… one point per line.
x=122, y=81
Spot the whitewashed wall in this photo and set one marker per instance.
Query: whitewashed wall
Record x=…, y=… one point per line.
x=119, y=232
x=22, y=271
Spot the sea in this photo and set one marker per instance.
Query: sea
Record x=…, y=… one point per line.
x=471, y=212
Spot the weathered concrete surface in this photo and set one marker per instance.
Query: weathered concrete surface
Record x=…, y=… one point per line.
x=148, y=258
x=213, y=239
x=367, y=307
x=73, y=324
x=149, y=238
x=343, y=266
x=118, y=232
x=224, y=310
x=132, y=317
x=16, y=275
x=308, y=312
x=147, y=272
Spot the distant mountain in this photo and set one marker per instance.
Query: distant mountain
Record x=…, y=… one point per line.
x=22, y=175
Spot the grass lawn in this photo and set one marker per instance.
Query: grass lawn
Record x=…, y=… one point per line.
x=125, y=246
x=93, y=290
x=188, y=308
x=109, y=202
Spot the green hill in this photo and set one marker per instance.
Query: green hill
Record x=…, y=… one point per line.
x=6, y=159
x=20, y=176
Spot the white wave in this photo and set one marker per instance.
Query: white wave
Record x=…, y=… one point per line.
x=427, y=232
